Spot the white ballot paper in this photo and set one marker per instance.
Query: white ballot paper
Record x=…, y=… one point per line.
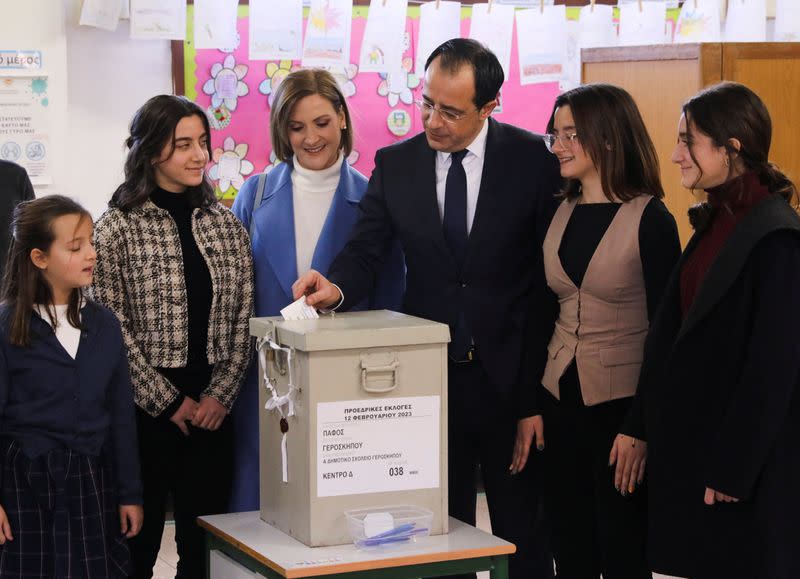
x=299, y=310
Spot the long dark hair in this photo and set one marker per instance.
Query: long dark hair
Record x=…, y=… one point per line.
x=730, y=110
x=153, y=128
x=611, y=131
x=24, y=284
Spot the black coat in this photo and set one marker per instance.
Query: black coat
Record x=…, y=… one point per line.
x=14, y=187
x=720, y=400
x=502, y=283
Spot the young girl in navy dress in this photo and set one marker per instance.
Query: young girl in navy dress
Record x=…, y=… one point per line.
x=70, y=490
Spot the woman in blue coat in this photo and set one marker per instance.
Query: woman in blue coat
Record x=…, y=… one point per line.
x=299, y=217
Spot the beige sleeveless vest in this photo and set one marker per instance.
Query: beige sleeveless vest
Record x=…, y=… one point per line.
x=601, y=325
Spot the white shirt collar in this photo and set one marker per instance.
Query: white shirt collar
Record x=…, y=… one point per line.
x=477, y=147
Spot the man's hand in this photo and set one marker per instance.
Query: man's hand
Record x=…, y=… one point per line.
x=713, y=496
x=209, y=414
x=529, y=430
x=5, y=528
x=319, y=292
x=130, y=520
x=630, y=456
x=184, y=414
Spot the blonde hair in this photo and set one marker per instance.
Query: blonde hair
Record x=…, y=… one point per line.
x=296, y=86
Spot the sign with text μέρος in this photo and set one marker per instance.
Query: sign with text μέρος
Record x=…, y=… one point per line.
x=20, y=59
x=378, y=445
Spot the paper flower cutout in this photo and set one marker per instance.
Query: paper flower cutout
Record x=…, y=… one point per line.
x=397, y=86
x=273, y=162
x=276, y=72
x=230, y=166
x=225, y=84
x=344, y=76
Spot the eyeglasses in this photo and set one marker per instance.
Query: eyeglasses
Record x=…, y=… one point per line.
x=427, y=109
x=566, y=141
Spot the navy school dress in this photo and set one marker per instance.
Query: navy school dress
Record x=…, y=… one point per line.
x=68, y=450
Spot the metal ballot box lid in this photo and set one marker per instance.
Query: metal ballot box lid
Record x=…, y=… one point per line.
x=371, y=329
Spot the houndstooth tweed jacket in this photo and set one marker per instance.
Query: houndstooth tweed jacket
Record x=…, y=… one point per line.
x=139, y=276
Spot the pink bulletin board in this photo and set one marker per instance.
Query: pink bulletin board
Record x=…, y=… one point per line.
x=382, y=108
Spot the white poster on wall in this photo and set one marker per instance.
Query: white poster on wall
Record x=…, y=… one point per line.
x=787, y=21
x=165, y=19
x=215, y=24
x=383, y=43
x=327, y=40
x=493, y=26
x=438, y=22
x=698, y=21
x=542, y=40
x=103, y=14
x=596, y=26
x=276, y=29
x=642, y=23
x=746, y=21
x=25, y=125
x=380, y=445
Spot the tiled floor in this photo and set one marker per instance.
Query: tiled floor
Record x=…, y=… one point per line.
x=168, y=557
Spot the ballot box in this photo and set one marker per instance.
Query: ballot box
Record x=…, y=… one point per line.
x=352, y=415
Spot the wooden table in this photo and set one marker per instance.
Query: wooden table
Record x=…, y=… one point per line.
x=263, y=549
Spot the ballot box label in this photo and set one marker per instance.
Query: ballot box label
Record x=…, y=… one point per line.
x=378, y=445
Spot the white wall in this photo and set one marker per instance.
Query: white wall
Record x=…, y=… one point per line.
x=39, y=25
x=97, y=80
x=110, y=76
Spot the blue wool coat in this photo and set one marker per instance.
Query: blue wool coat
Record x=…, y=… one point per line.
x=275, y=269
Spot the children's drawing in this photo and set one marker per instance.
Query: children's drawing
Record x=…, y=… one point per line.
x=382, y=45
x=327, y=39
x=225, y=85
x=230, y=167
x=218, y=117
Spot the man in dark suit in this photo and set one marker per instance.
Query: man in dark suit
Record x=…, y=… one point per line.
x=14, y=187
x=470, y=201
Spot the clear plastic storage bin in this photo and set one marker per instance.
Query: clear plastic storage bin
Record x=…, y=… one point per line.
x=386, y=526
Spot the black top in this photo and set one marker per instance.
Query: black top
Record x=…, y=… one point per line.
x=192, y=379
x=657, y=247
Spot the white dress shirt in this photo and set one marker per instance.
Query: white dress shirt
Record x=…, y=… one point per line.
x=473, y=167
x=68, y=335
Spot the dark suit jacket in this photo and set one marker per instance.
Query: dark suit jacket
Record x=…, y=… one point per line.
x=719, y=395
x=14, y=187
x=503, y=276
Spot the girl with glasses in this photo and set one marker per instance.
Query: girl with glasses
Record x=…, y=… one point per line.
x=607, y=255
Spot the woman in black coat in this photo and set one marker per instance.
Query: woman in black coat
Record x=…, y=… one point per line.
x=719, y=399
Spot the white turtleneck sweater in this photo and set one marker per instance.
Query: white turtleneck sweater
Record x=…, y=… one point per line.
x=312, y=194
